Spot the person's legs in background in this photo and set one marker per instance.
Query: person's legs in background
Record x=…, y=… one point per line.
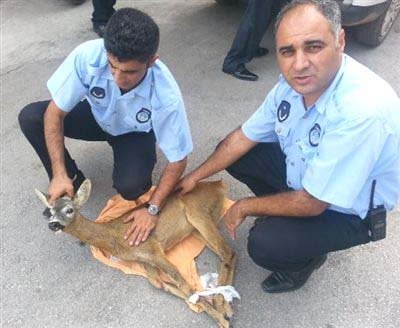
x=102, y=11
x=246, y=44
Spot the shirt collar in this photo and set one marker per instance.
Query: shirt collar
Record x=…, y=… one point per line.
x=144, y=88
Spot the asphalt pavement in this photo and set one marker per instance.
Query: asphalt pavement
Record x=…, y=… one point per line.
x=52, y=281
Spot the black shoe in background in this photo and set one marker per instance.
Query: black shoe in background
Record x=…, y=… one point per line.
x=242, y=73
x=279, y=282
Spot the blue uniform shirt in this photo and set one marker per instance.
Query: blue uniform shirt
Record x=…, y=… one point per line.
x=155, y=104
x=338, y=146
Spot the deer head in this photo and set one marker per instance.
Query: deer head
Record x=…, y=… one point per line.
x=65, y=209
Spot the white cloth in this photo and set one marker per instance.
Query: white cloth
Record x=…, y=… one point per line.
x=209, y=283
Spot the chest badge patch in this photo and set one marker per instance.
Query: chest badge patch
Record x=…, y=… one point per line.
x=283, y=111
x=314, y=135
x=98, y=92
x=143, y=115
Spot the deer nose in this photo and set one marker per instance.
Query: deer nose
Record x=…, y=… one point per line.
x=55, y=226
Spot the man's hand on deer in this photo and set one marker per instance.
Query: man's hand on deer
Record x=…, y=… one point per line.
x=233, y=218
x=186, y=184
x=60, y=185
x=140, y=228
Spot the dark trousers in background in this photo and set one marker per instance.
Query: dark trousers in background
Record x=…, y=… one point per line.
x=134, y=153
x=102, y=11
x=289, y=243
x=250, y=32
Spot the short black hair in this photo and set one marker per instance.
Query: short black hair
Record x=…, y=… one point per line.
x=131, y=34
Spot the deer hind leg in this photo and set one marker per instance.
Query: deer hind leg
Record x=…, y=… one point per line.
x=155, y=280
x=208, y=232
x=227, y=279
x=178, y=286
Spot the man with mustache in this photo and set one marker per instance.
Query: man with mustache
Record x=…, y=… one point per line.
x=321, y=154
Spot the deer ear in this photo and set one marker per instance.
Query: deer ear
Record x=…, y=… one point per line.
x=82, y=195
x=44, y=198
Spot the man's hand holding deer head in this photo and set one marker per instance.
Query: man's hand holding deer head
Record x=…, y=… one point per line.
x=59, y=186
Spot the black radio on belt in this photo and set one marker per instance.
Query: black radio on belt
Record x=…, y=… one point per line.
x=376, y=218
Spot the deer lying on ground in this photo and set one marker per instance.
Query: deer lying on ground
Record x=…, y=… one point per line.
x=197, y=212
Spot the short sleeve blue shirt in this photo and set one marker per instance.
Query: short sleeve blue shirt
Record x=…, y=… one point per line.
x=155, y=104
x=338, y=146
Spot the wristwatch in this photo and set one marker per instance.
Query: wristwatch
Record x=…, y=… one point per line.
x=152, y=209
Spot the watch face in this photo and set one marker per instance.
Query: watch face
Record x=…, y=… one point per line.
x=153, y=209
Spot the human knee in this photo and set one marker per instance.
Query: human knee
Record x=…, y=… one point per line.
x=265, y=243
x=131, y=189
x=29, y=118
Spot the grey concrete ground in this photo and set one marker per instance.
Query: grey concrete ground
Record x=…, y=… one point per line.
x=51, y=281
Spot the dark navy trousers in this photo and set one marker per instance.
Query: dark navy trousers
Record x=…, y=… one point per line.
x=102, y=10
x=250, y=32
x=134, y=153
x=289, y=243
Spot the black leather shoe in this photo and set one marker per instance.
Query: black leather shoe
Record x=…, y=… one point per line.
x=242, y=73
x=99, y=29
x=279, y=282
x=260, y=52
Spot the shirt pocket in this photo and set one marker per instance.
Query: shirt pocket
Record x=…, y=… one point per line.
x=305, y=150
x=282, y=131
x=139, y=121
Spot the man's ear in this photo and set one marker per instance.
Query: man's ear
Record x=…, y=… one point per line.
x=152, y=60
x=341, y=40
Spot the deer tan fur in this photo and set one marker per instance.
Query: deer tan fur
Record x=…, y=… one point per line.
x=197, y=212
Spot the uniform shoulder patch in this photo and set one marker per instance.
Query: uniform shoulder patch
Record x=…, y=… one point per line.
x=283, y=111
x=98, y=92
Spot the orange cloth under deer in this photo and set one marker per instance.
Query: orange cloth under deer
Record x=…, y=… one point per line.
x=182, y=255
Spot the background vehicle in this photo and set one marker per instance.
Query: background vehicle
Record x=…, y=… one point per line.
x=370, y=20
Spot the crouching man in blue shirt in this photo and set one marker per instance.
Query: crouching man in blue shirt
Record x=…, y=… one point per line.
x=118, y=91
x=312, y=151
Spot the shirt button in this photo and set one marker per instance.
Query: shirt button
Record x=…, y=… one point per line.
x=303, y=159
x=292, y=163
x=289, y=183
x=278, y=130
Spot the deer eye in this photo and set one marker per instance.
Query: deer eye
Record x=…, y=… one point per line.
x=70, y=211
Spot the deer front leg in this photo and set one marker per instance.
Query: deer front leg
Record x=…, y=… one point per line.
x=212, y=237
x=208, y=232
x=225, y=277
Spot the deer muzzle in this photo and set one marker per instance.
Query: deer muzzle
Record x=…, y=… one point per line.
x=55, y=226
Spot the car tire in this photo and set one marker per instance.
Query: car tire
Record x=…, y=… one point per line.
x=227, y=2
x=373, y=33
